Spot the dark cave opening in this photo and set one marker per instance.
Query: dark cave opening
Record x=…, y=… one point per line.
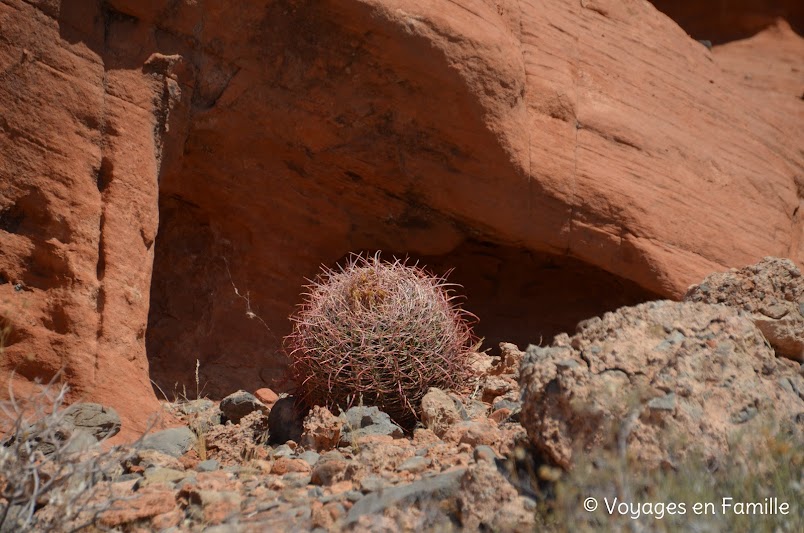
x=730, y=20
x=210, y=304
x=527, y=297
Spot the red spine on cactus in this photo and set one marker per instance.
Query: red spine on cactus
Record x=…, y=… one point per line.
x=378, y=332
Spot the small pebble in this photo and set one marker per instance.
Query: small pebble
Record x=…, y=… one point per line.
x=414, y=465
x=484, y=453
x=282, y=451
x=210, y=465
x=354, y=495
x=310, y=457
x=372, y=484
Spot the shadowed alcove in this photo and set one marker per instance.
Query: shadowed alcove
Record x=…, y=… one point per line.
x=340, y=132
x=729, y=20
x=209, y=306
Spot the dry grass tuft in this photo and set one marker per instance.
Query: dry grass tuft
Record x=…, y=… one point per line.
x=48, y=479
x=768, y=472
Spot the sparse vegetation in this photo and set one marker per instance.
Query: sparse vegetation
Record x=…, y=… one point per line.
x=629, y=497
x=383, y=331
x=47, y=478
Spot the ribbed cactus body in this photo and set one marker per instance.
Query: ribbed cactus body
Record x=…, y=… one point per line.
x=381, y=333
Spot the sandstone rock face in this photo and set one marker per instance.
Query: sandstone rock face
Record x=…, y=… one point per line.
x=657, y=381
x=772, y=292
x=79, y=139
x=530, y=145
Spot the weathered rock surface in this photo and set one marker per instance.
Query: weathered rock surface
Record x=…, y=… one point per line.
x=718, y=22
x=439, y=411
x=322, y=429
x=786, y=336
x=656, y=381
x=231, y=443
x=771, y=291
x=79, y=145
x=596, y=131
x=772, y=288
x=488, y=502
x=433, y=489
x=239, y=404
x=174, y=441
x=145, y=458
x=50, y=435
x=95, y=419
x=362, y=421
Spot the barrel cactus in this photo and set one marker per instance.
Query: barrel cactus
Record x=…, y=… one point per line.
x=381, y=333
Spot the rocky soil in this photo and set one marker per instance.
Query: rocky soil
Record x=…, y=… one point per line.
x=224, y=469
x=658, y=384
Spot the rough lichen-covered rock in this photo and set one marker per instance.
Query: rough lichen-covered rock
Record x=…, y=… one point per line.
x=771, y=291
x=656, y=381
x=99, y=421
x=322, y=429
x=439, y=411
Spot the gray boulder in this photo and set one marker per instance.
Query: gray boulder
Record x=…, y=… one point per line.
x=239, y=404
x=174, y=441
x=432, y=489
x=360, y=421
x=93, y=418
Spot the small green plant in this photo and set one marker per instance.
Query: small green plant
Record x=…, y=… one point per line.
x=382, y=331
x=758, y=487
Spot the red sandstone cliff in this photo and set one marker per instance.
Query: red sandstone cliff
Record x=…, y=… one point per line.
x=567, y=156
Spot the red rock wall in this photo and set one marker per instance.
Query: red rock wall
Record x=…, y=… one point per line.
x=78, y=203
x=265, y=138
